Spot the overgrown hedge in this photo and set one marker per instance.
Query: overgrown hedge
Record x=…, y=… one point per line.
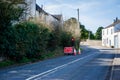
x=29, y=40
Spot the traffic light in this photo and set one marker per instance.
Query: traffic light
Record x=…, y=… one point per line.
x=73, y=41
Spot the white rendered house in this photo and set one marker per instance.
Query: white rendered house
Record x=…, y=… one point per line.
x=111, y=35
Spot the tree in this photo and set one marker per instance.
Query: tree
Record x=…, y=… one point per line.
x=84, y=32
x=98, y=34
x=72, y=26
x=92, y=35
x=10, y=11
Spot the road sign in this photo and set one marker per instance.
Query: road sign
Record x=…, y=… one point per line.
x=68, y=49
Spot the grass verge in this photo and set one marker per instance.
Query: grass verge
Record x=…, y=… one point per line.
x=48, y=55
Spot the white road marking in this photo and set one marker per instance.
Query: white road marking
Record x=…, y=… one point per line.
x=51, y=70
x=13, y=72
x=39, y=78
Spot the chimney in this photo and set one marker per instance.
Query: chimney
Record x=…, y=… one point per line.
x=42, y=6
x=115, y=20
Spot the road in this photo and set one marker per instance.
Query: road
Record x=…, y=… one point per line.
x=91, y=64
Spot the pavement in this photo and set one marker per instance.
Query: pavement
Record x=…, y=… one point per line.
x=115, y=71
x=115, y=68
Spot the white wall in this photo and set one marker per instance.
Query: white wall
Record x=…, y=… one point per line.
x=31, y=8
x=48, y=19
x=118, y=39
x=108, y=37
x=40, y=16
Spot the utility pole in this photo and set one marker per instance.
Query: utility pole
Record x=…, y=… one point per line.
x=78, y=17
x=89, y=35
x=79, y=26
x=78, y=14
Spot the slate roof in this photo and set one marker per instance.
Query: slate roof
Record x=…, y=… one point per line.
x=39, y=9
x=58, y=17
x=113, y=24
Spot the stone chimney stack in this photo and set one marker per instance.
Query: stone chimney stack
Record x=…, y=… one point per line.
x=42, y=6
x=115, y=20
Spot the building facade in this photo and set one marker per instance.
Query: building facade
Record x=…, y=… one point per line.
x=54, y=21
x=111, y=35
x=36, y=13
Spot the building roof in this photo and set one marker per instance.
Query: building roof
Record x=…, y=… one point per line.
x=58, y=17
x=39, y=9
x=113, y=24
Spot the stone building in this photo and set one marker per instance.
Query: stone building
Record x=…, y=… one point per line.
x=36, y=13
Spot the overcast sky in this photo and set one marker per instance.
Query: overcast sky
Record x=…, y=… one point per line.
x=93, y=13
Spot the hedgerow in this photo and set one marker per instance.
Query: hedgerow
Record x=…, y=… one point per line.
x=30, y=40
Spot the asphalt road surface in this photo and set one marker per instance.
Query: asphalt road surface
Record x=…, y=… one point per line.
x=91, y=64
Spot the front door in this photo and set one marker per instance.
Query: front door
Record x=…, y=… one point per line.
x=110, y=43
x=116, y=41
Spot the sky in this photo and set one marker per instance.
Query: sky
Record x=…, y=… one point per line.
x=92, y=13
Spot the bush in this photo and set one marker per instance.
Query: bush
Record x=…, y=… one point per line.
x=6, y=63
x=53, y=41
x=51, y=54
x=24, y=60
x=24, y=39
x=28, y=41
x=31, y=39
x=7, y=42
x=65, y=39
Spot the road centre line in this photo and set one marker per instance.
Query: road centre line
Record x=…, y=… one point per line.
x=51, y=70
x=39, y=78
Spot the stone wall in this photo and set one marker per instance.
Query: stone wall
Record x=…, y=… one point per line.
x=92, y=42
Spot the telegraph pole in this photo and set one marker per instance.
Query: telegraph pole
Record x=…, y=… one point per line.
x=79, y=26
x=78, y=14
x=89, y=35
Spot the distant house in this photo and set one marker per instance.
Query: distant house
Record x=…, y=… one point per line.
x=111, y=35
x=36, y=13
x=59, y=17
x=30, y=9
x=55, y=21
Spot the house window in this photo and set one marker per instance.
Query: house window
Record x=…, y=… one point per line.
x=111, y=31
x=107, y=31
x=107, y=40
x=104, y=41
x=103, y=32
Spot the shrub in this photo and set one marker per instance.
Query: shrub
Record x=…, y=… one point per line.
x=25, y=60
x=6, y=63
x=65, y=39
x=31, y=39
x=53, y=41
x=7, y=42
x=25, y=39
x=28, y=41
